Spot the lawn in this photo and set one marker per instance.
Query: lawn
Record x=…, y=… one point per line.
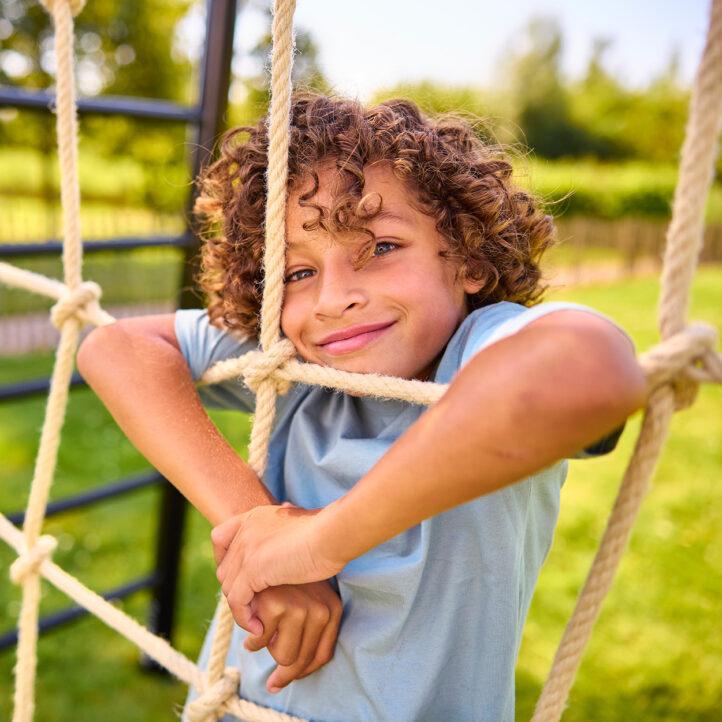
x=655, y=654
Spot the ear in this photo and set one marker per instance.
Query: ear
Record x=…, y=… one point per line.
x=472, y=286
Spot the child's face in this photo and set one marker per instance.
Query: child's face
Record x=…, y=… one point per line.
x=407, y=292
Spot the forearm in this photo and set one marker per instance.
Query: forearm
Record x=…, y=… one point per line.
x=513, y=410
x=146, y=385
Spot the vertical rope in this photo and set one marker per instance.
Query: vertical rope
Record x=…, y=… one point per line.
x=684, y=241
x=273, y=267
x=62, y=14
x=696, y=172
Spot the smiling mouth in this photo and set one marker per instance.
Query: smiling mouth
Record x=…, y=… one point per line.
x=354, y=343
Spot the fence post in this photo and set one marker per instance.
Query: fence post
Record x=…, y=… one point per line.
x=214, y=82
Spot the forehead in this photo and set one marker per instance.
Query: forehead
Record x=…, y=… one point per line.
x=397, y=201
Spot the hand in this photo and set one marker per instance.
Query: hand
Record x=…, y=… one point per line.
x=264, y=547
x=300, y=627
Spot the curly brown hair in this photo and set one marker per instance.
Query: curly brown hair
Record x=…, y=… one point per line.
x=494, y=231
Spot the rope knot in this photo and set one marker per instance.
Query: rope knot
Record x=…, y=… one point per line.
x=263, y=364
x=30, y=560
x=75, y=6
x=80, y=303
x=208, y=704
x=684, y=360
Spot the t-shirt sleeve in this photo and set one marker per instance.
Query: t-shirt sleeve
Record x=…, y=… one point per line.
x=202, y=346
x=505, y=319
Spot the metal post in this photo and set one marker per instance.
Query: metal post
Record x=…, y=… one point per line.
x=214, y=82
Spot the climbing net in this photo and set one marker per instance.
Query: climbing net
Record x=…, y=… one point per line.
x=674, y=369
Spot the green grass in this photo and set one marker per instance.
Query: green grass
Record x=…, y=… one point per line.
x=655, y=653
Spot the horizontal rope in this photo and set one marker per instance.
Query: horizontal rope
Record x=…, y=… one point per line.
x=387, y=387
x=676, y=357
x=81, y=302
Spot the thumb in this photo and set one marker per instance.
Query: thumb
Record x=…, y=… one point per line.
x=246, y=619
x=222, y=536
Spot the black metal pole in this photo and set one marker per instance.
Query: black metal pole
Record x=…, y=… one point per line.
x=214, y=82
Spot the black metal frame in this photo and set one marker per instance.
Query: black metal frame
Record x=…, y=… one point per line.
x=208, y=117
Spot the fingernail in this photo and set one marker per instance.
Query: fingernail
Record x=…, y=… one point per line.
x=274, y=690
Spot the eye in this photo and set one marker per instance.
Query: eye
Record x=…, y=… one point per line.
x=384, y=247
x=297, y=275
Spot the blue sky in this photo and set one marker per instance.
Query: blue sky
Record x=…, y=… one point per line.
x=377, y=43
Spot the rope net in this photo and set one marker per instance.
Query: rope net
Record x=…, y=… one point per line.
x=674, y=369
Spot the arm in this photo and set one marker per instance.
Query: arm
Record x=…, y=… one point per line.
x=515, y=408
x=136, y=367
x=523, y=403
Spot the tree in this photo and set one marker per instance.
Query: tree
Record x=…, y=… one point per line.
x=123, y=47
x=254, y=89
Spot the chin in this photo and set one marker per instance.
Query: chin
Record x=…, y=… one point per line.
x=363, y=366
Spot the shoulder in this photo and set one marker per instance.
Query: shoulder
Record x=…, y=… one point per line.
x=490, y=324
x=571, y=328
x=204, y=344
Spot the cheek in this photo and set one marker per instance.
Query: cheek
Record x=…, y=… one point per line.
x=291, y=319
x=431, y=290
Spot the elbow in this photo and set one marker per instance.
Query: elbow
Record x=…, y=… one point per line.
x=633, y=389
x=94, y=350
x=616, y=387
x=593, y=383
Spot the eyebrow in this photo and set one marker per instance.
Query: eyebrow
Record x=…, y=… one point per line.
x=382, y=215
x=385, y=214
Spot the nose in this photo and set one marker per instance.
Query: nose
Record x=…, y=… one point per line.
x=340, y=287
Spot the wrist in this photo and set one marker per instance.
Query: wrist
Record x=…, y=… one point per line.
x=331, y=541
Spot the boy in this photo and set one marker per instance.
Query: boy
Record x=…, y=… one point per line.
x=409, y=253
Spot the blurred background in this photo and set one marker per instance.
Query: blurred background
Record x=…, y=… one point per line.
x=591, y=100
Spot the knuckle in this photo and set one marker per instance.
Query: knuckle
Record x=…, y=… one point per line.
x=321, y=614
x=297, y=614
x=232, y=599
x=284, y=658
x=274, y=606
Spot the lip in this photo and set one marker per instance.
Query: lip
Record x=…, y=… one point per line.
x=353, y=338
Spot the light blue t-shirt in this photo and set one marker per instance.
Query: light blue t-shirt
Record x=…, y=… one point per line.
x=432, y=618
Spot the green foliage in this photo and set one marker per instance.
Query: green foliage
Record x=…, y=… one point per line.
x=254, y=88
x=608, y=190
x=596, y=117
x=122, y=48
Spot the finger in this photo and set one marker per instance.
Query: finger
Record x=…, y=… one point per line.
x=287, y=645
x=326, y=645
x=222, y=536
x=239, y=599
x=312, y=633
x=231, y=564
x=270, y=627
x=219, y=552
x=225, y=531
